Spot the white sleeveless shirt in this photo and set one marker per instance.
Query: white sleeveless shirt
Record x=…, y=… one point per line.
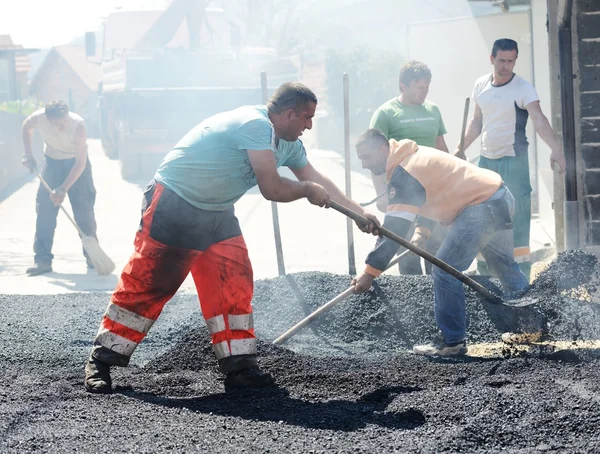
x=59, y=144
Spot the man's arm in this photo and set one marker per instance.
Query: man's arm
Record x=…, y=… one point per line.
x=280, y=189
x=473, y=130
x=58, y=194
x=29, y=124
x=383, y=252
x=440, y=144
x=309, y=173
x=544, y=130
x=380, y=187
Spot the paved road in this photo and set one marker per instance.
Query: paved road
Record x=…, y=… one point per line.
x=314, y=239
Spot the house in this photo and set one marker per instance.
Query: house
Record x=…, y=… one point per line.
x=14, y=70
x=66, y=74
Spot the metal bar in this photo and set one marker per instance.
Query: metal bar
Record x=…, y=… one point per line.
x=571, y=202
x=461, y=146
x=274, y=210
x=347, y=165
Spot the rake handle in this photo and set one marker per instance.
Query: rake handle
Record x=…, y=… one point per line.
x=49, y=189
x=422, y=253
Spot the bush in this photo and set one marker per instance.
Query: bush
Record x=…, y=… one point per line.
x=24, y=108
x=373, y=80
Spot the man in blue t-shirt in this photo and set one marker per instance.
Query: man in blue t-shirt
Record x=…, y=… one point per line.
x=188, y=225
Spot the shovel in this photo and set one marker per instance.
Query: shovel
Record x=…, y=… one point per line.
x=101, y=262
x=325, y=307
x=491, y=297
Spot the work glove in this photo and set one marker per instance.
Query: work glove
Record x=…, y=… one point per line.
x=29, y=162
x=58, y=196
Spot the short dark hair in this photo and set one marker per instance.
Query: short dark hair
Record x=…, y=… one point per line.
x=504, y=44
x=56, y=109
x=373, y=138
x=414, y=70
x=290, y=95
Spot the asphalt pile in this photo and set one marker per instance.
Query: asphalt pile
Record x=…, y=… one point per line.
x=347, y=383
x=397, y=312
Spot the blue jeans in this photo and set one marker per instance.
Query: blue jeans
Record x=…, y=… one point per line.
x=473, y=231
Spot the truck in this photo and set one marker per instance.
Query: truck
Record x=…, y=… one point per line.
x=150, y=95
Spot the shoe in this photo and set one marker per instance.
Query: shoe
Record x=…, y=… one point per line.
x=440, y=348
x=97, y=377
x=248, y=378
x=38, y=269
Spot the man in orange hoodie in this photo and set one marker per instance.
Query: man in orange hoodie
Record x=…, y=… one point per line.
x=425, y=186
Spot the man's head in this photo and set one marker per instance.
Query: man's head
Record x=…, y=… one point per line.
x=373, y=149
x=504, y=56
x=58, y=114
x=291, y=110
x=415, y=78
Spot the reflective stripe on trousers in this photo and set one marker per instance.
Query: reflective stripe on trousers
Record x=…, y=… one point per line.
x=221, y=271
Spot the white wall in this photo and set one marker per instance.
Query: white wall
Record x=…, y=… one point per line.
x=457, y=52
x=541, y=81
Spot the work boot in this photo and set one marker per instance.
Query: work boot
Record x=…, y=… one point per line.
x=97, y=376
x=439, y=347
x=39, y=268
x=248, y=378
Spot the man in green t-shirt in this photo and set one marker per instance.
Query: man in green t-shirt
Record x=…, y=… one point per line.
x=411, y=116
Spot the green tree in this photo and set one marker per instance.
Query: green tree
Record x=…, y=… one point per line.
x=372, y=78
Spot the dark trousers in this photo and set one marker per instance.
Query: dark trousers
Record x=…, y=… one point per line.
x=82, y=196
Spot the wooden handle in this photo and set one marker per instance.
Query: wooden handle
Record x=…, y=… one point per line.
x=316, y=314
x=49, y=189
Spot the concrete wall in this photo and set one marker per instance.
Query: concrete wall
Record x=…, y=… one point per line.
x=457, y=62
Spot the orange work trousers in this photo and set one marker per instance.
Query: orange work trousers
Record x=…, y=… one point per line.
x=174, y=239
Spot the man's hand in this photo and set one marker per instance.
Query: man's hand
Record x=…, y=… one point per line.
x=418, y=240
x=362, y=283
x=371, y=227
x=317, y=195
x=460, y=154
x=29, y=162
x=58, y=196
x=558, y=158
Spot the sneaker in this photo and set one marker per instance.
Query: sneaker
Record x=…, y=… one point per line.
x=97, y=376
x=38, y=269
x=441, y=348
x=248, y=378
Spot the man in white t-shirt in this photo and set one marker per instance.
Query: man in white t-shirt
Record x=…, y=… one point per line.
x=503, y=103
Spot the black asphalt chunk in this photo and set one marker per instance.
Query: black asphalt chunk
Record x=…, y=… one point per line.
x=347, y=383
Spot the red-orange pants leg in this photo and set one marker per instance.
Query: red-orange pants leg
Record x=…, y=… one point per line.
x=224, y=281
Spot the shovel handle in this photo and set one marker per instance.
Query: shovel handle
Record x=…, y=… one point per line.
x=422, y=253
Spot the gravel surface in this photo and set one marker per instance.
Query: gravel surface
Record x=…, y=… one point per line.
x=347, y=383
